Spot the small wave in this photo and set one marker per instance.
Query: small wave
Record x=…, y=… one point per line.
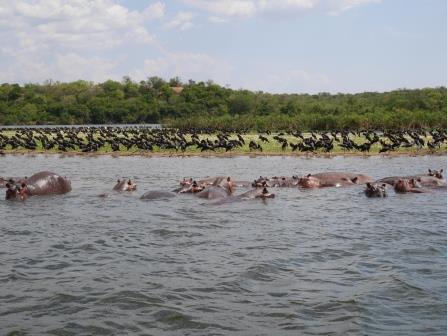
x=14, y=276
x=130, y=300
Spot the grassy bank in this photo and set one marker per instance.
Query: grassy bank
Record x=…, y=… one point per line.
x=268, y=144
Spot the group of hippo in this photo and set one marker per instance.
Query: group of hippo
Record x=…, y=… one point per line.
x=224, y=188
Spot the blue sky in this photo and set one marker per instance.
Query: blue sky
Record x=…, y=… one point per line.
x=290, y=46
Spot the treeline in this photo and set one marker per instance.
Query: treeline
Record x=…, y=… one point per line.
x=206, y=104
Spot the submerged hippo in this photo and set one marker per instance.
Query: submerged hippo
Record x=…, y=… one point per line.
x=157, y=194
x=408, y=185
x=248, y=195
x=375, y=190
x=332, y=179
x=123, y=185
x=256, y=193
x=11, y=180
x=221, y=188
x=434, y=178
x=186, y=182
x=283, y=181
x=43, y=183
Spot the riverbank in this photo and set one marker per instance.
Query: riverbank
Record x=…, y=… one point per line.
x=176, y=143
x=223, y=154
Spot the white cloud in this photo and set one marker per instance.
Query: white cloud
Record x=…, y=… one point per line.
x=217, y=19
x=224, y=8
x=76, y=24
x=270, y=5
x=249, y=8
x=154, y=11
x=288, y=81
x=182, y=20
x=42, y=39
x=60, y=67
x=194, y=66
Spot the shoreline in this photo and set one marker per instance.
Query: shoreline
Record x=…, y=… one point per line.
x=418, y=153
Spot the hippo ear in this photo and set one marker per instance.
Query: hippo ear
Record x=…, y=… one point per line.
x=441, y=171
x=384, y=185
x=429, y=170
x=368, y=185
x=309, y=175
x=8, y=185
x=118, y=181
x=354, y=180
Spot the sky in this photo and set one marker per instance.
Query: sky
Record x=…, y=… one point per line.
x=277, y=46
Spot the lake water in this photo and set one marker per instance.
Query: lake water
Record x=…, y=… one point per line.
x=314, y=262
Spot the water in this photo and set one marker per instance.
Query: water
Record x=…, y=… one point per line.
x=316, y=262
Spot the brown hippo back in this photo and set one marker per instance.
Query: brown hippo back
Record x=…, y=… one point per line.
x=45, y=183
x=334, y=179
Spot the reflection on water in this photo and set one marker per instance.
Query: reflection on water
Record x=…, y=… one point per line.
x=329, y=262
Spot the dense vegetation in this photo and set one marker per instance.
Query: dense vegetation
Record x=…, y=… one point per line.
x=207, y=104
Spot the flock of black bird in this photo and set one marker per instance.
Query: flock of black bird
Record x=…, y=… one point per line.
x=93, y=139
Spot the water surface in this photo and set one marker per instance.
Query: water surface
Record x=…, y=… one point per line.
x=315, y=262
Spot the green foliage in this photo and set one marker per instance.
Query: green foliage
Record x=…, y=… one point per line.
x=206, y=104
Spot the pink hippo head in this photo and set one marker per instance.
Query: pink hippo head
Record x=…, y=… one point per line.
x=403, y=185
x=309, y=181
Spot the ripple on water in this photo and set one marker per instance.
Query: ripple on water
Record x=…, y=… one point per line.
x=309, y=262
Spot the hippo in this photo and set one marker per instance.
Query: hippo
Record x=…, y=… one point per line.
x=11, y=180
x=42, y=183
x=408, y=185
x=261, y=182
x=283, y=181
x=256, y=193
x=332, y=179
x=213, y=192
x=16, y=192
x=375, y=190
x=434, y=178
x=275, y=181
x=251, y=194
x=193, y=188
x=436, y=173
x=123, y=185
x=221, y=188
x=157, y=194
x=205, y=182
